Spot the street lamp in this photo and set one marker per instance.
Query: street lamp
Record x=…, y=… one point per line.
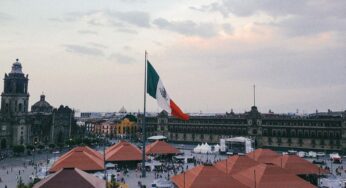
x=70, y=143
x=33, y=158
x=104, y=158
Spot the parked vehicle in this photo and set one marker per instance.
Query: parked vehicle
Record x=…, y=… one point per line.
x=319, y=161
x=312, y=154
x=292, y=152
x=301, y=154
x=320, y=154
x=335, y=158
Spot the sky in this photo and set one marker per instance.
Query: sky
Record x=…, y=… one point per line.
x=89, y=54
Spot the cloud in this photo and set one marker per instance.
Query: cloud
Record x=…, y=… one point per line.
x=5, y=17
x=294, y=17
x=109, y=18
x=88, y=32
x=249, y=8
x=187, y=27
x=137, y=18
x=127, y=48
x=227, y=28
x=133, y=1
x=303, y=25
x=268, y=59
x=83, y=50
x=121, y=58
x=98, y=45
x=128, y=31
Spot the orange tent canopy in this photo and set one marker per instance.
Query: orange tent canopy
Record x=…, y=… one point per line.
x=123, y=151
x=70, y=178
x=235, y=164
x=161, y=148
x=297, y=165
x=83, y=158
x=270, y=176
x=206, y=176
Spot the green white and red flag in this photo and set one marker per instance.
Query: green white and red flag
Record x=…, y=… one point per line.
x=156, y=89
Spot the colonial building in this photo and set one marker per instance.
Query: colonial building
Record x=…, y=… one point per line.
x=42, y=125
x=14, y=107
x=125, y=127
x=320, y=131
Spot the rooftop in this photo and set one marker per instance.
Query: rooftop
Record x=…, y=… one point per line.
x=83, y=158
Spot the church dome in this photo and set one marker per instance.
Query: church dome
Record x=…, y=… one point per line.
x=123, y=110
x=16, y=68
x=42, y=105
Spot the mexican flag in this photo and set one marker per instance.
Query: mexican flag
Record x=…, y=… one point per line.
x=156, y=89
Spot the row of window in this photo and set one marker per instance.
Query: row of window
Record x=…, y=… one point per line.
x=216, y=121
x=303, y=123
x=213, y=130
x=302, y=133
x=312, y=142
x=317, y=123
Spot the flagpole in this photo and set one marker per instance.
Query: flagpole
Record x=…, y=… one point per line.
x=144, y=114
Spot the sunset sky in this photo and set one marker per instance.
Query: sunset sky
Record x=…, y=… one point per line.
x=89, y=54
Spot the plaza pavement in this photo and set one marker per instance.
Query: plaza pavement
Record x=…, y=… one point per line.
x=11, y=167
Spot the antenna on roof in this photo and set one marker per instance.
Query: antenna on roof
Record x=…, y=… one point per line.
x=254, y=95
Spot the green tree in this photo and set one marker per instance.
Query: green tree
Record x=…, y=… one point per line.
x=51, y=146
x=18, y=149
x=40, y=146
x=3, y=144
x=30, y=147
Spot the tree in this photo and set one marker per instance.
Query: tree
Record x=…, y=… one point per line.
x=18, y=149
x=40, y=146
x=289, y=141
x=51, y=146
x=3, y=144
x=270, y=141
x=30, y=147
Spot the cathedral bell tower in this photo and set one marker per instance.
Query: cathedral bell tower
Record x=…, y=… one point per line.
x=15, y=97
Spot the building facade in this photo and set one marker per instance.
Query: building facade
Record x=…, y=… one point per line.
x=320, y=131
x=41, y=125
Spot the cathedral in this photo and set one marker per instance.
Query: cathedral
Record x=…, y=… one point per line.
x=42, y=125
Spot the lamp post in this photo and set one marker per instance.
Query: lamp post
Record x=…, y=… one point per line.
x=70, y=143
x=48, y=150
x=104, y=158
x=33, y=158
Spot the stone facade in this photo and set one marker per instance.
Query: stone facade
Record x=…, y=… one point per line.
x=320, y=131
x=18, y=126
x=14, y=107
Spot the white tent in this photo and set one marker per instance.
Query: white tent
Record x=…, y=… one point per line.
x=153, y=164
x=197, y=149
x=157, y=137
x=110, y=165
x=162, y=183
x=216, y=148
x=205, y=148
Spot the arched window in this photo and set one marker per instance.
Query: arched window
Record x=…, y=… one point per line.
x=306, y=133
x=279, y=133
x=312, y=134
x=274, y=132
x=293, y=133
x=331, y=134
x=20, y=107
